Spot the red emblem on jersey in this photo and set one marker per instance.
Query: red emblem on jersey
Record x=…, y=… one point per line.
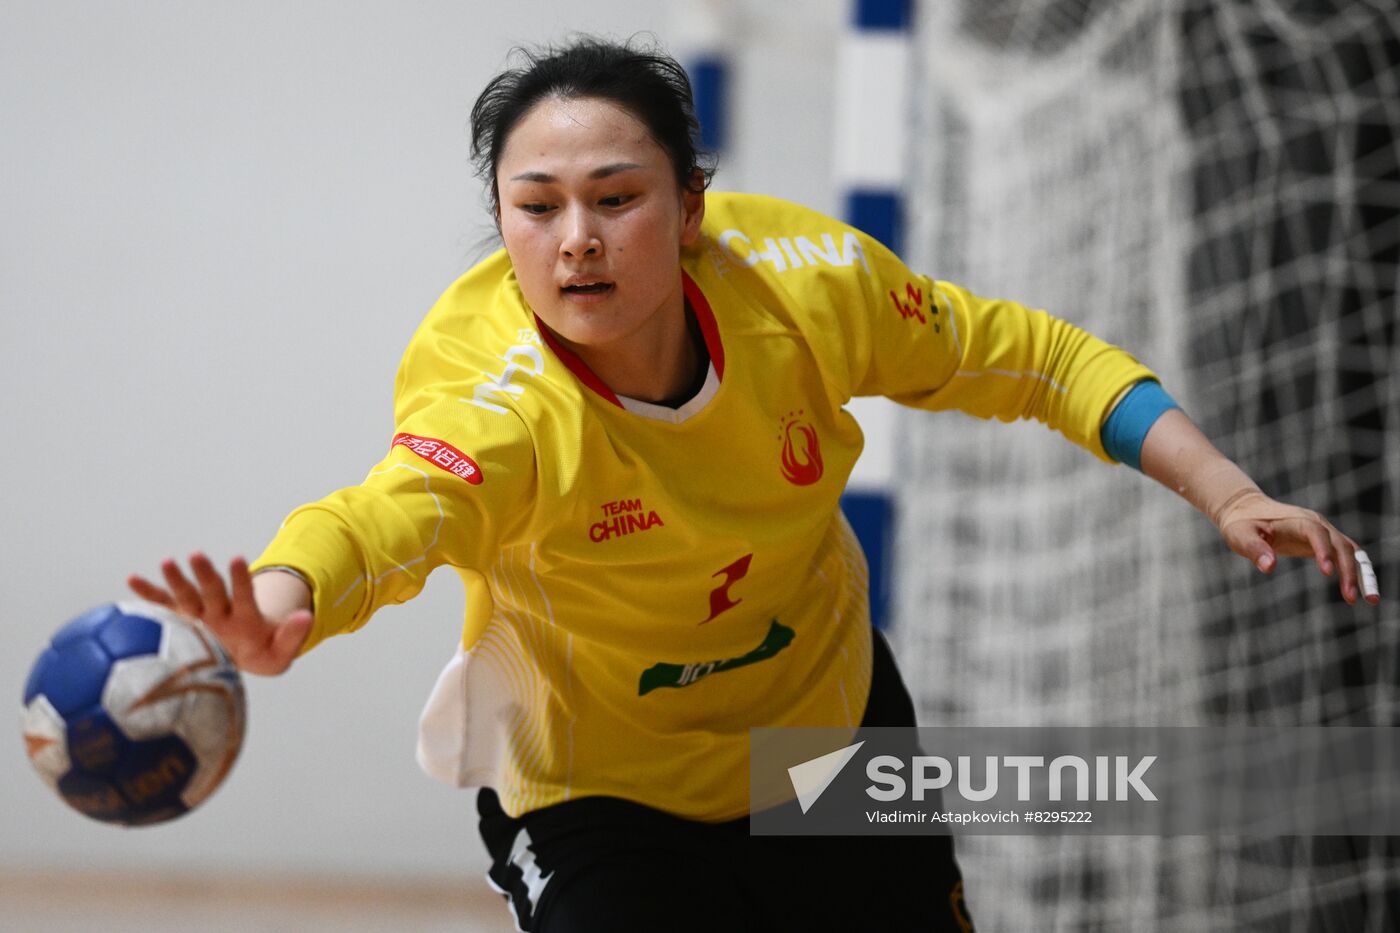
x=720, y=600
x=802, y=451
x=442, y=455
x=914, y=306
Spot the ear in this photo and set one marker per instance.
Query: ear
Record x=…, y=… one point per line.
x=692, y=210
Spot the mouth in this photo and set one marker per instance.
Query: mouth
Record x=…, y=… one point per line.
x=582, y=288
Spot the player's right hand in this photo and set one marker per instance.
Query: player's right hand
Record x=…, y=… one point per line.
x=262, y=633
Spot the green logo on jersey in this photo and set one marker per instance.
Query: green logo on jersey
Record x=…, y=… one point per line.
x=683, y=675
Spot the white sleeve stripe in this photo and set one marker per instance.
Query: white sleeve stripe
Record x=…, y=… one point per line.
x=947, y=304
x=1012, y=374
x=427, y=487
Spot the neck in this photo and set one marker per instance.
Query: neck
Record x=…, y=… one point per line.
x=655, y=364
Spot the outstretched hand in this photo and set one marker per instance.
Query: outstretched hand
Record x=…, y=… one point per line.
x=1176, y=454
x=1260, y=528
x=262, y=633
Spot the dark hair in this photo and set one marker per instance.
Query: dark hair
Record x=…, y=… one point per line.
x=649, y=84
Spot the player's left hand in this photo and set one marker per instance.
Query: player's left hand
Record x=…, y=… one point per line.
x=1260, y=528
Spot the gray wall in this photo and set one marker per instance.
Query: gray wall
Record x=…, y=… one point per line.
x=219, y=225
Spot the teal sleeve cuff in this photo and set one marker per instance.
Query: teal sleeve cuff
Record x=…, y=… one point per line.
x=1127, y=425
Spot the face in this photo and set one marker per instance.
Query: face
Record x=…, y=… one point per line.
x=594, y=220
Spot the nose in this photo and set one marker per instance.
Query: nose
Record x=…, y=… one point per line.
x=581, y=236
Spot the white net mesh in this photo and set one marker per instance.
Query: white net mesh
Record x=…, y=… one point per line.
x=1214, y=185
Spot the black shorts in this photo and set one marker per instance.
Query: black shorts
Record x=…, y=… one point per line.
x=605, y=864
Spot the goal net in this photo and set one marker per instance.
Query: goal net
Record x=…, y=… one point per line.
x=1214, y=185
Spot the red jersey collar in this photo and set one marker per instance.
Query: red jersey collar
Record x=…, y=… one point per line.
x=703, y=316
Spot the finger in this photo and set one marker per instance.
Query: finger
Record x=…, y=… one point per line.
x=186, y=596
x=211, y=585
x=241, y=583
x=1369, y=588
x=1321, y=547
x=149, y=591
x=1299, y=536
x=291, y=635
x=1249, y=540
x=1343, y=551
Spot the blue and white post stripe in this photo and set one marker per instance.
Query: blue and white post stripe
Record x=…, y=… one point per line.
x=872, y=117
x=709, y=77
x=701, y=29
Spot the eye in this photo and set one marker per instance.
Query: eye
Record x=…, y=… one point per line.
x=535, y=207
x=616, y=200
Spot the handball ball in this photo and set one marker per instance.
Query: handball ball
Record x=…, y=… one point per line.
x=133, y=714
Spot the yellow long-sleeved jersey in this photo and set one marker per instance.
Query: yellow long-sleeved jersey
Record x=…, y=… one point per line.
x=644, y=584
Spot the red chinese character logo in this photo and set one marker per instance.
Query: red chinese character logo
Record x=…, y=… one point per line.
x=441, y=454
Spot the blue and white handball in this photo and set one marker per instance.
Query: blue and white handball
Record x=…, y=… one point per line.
x=133, y=714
